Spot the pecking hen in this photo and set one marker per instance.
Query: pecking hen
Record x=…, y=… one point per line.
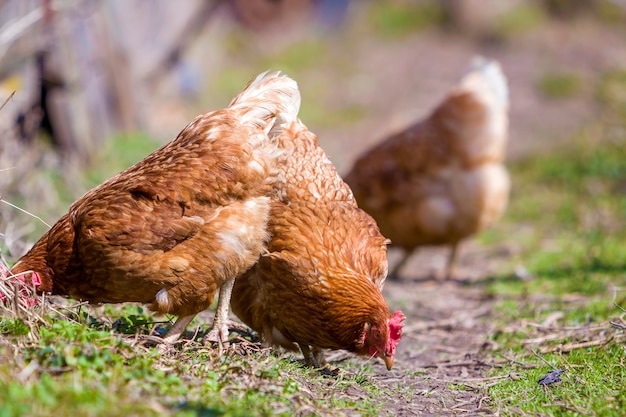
x=442, y=179
x=319, y=285
x=181, y=224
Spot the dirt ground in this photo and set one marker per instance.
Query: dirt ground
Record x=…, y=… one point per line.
x=446, y=335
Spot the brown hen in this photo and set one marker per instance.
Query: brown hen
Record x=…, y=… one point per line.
x=319, y=285
x=442, y=179
x=182, y=223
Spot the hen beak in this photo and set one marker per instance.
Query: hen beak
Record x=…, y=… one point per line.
x=388, y=362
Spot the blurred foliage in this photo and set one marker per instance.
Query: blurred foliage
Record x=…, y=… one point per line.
x=523, y=18
x=393, y=19
x=299, y=57
x=607, y=11
x=119, y=153
x=611, y=92
x=612, y=13
x=560, y=85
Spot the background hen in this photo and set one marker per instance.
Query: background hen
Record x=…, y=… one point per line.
x=185, y=221
x=320, y=284
x=442, y=179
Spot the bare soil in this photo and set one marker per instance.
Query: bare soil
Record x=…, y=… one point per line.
x=446, y=339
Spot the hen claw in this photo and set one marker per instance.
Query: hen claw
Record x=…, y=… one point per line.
x=217, y=335
x=165, y=348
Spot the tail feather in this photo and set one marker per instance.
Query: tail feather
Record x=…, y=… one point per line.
x=268, y=101
x=485, y=76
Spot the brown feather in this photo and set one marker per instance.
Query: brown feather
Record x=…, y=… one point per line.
x=186, y=219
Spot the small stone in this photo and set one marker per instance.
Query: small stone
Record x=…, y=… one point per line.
x=551, y=377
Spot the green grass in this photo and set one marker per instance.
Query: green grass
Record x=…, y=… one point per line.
x=595, y=375
x=568, y=207
x=567, y=216
x=80, y=367
x=591, y=385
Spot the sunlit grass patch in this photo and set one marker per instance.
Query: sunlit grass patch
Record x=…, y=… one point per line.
x=592, y=384
x=566, y=218
x=90, y=361
x=576, y=337
x=298, y=57
x=567, y=208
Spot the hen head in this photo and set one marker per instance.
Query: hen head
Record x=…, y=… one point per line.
x=382, y=339
x=25, y=285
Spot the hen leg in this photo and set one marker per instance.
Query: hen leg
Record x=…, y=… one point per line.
x=309, y=360
x=452, y=261
x=306, y=352
x=318, y=357
x=315, y=359
x=177, y=329
x=394, y=275
x=219, y=330
x=174, y=332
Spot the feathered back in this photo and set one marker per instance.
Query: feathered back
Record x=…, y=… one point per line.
x=476, y=110
x=488, y=78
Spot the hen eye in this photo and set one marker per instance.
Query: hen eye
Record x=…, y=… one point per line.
x=377, y=335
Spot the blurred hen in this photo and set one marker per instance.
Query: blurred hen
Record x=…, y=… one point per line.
x=180, y=224
x=442, y=179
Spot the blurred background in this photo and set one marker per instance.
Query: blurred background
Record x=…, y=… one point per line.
x=89, y=87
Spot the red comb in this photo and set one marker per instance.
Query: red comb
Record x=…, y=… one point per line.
x=395, y=331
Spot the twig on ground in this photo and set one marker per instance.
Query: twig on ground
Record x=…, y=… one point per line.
x=7, y=100
x=522, y=364
x=569, y=407
x=476, y=362
x=485, y=379
x=463, y=404
x=543, y=360
x=565, y=328
x=618, y=325
x=568, y=347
